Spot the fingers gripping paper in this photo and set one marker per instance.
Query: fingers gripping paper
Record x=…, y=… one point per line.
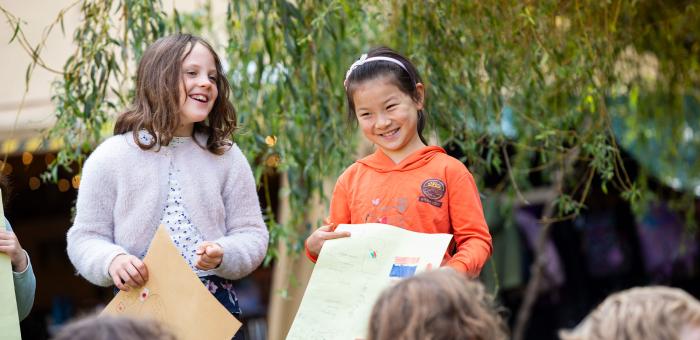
x=351, y=273
x=9, y=319
x=175, y=297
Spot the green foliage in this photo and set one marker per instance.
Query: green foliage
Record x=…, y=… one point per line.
x=520, y=88
x=287, y=63
x=94, y=82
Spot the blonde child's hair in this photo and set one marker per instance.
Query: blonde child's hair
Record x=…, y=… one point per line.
x=97, y=327
x=654, y=312
x=439, y=304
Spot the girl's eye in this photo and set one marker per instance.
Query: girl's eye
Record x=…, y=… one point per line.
x=191, y=73
x=391, y=106
x=364, y=114
x=212, y=78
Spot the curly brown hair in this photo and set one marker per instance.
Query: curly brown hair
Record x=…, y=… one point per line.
x=157, y=97
x=436, y=305
x=654, y=312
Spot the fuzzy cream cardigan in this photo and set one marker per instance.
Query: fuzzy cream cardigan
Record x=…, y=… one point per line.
x=123, y=192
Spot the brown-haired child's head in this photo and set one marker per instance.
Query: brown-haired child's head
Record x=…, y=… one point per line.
x=641, y=313
x=439, y=304
x=160, y=81
x=113, y=328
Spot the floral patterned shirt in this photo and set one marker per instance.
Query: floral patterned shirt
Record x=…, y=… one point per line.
x=182, y=231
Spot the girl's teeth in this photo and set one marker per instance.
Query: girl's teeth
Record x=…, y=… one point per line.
x=388, y=134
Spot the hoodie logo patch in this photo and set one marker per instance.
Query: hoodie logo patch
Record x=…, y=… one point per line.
x=433, y=190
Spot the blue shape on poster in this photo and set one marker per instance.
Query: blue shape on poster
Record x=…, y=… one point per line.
x=398, y=270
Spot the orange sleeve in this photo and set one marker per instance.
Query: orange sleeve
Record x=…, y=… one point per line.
x=471, y=234
x=340, y=203
x=308, y=254
x=339, y=211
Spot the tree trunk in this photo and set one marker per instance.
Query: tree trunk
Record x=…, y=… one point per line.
x=532, y=290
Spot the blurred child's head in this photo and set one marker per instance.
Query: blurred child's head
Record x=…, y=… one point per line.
x=641, y=313
x=113, y=328
x=180, y=88
x=385, y=81
x=439, y=304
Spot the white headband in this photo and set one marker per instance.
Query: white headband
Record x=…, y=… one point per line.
x=363, y=59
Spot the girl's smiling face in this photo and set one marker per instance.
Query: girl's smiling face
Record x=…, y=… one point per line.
x=388, y=117
x=198, y=91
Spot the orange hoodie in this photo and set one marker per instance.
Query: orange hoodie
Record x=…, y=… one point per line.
x=428, y=192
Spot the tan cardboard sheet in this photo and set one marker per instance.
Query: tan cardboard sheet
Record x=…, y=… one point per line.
x=174, y=296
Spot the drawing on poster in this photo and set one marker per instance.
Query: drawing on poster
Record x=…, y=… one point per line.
x=147, y=305
x=404, y=266
x=351, y=273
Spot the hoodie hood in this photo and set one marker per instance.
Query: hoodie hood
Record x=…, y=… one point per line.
x=380, y=162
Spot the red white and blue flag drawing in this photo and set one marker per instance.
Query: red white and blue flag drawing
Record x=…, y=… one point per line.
x=404, y=266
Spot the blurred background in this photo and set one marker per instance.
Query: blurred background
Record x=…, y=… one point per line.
x=580, y=121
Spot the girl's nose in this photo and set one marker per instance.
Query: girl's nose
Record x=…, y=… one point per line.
x=382, y=121
x=204, y=81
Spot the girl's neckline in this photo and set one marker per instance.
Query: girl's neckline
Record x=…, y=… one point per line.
x=177, y=140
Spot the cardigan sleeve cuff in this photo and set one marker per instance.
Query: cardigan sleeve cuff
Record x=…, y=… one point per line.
x=21, y=273
x=110, y=259
x=25, y=287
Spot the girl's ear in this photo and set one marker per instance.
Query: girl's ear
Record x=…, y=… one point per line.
x=420, y=89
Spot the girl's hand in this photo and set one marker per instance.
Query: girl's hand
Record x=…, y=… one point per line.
x=316, y=240
x=128, y=271
x=9, y=244
x=209, y=255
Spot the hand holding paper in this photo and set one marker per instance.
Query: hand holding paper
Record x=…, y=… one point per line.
x=9, y=244
x=128, y=271
x=352, y=271
x=209, y=255
x=175, y=296
x=320, y=236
